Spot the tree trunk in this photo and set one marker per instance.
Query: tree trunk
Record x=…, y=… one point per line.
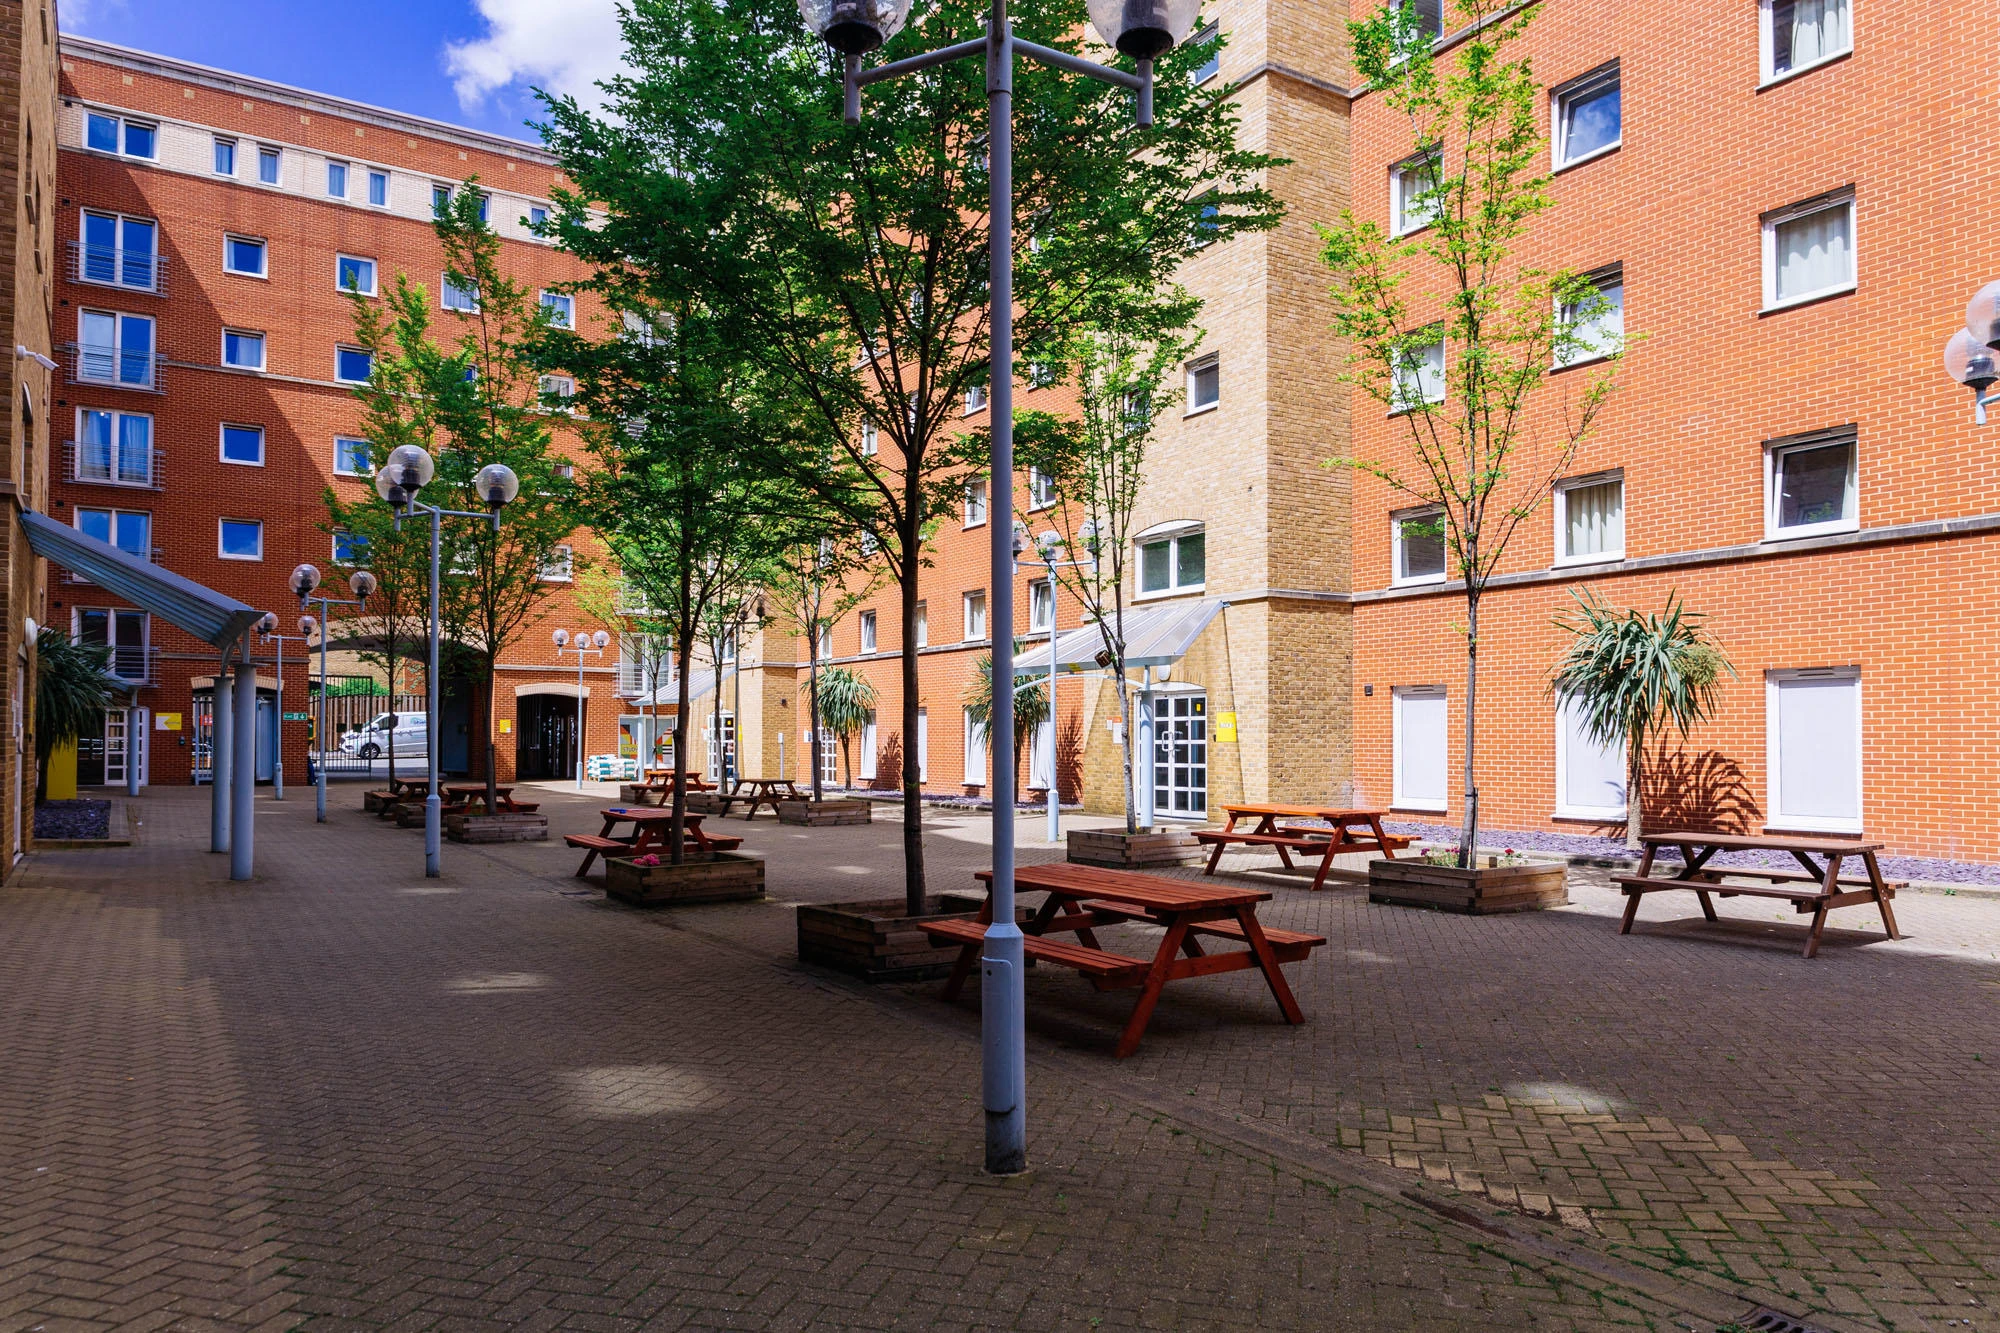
x=677, y=826
x=1635, y=749
x=913, y=805
x=393, y=711
x=846, y=761
x=812, y=705
x=1468, y=837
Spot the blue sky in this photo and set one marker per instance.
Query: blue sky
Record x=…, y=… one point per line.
x=470, y=62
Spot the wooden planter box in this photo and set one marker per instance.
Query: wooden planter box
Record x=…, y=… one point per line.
x=373, y=801
x=1482, y=891
x=877, y=941
x=636, y=793
x=703, y=803
x=1134, y=851
x=726, y=877
x=813, y=814
x=494, y=828
x=410, y=814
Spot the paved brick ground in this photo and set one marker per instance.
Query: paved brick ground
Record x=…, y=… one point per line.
x=345, y=1096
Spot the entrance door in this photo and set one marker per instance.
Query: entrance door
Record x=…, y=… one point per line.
x=91, y=770
x=124, y=736
x=267, y=736
x=1180, y=756
x=547, y=745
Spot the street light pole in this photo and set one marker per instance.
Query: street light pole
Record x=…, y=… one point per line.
x=265, y=628
x=582, y=642
x=305, y=582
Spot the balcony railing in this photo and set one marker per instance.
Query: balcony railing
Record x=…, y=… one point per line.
x=106, y=464
x=116, y=368
x=134, y=665
x=110, y=266
x=632, y=678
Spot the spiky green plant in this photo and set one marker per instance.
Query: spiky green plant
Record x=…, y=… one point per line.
x=72, y=690
x=844, y=703
x=1632, y=675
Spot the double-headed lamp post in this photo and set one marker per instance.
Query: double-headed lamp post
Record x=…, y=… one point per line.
x=1143, y=30
x=1048, y=546
x=305, y=583
x=580, y=643
x=1972, y=355
x=406, y=471
x=267, y=629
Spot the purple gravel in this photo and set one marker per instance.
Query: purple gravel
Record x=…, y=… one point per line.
x=73, y=819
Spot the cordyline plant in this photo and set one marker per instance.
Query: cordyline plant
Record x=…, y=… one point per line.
x=72, y=690
x=845, y=700
x=809, y=587
x=1449, y=329
x=852, y=260
x=1630, y=676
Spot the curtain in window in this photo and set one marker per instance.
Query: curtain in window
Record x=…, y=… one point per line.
x=1815, y=252
x=1806, y=31
x=1595, y=518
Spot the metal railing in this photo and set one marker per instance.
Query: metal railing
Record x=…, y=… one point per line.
x=108, y=464
x=347, y=711
x=114, y=266
x=116, y=368
x=135, y=664
x=151, y=554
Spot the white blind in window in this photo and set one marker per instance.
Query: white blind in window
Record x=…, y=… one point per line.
x=975, y=753
x=1816, y=252
x=1593, y=775
x=867, y=769
x=1805, y=32
x=1420, y=748
x=1818, y=759
x=1041, y=760
x=1594, y=519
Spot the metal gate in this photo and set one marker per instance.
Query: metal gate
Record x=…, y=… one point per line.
x=352, y=702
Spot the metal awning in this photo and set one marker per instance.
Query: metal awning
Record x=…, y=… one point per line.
x=202, y=612
x=1154, y=636
x=669, y=694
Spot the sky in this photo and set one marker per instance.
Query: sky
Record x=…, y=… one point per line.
x=469, y=62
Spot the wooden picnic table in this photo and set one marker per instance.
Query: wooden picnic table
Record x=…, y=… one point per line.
x=1344, y=831
x=1082, y=898
x=410, y=786
x=503, y=797
x=762, y=791
x=650, y=833
x=664, y=777
x=1817, y=887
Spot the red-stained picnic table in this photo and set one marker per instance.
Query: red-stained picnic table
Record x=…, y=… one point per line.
x=650, y=834
x=1340, y=831
x=1082, y=898
x=503, y=797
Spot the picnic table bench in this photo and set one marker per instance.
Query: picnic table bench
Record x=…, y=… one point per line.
x=1818, y=887
x=385, y=800
x=1082, y=898
x=650, y=834
x=762, y=791
x=464, y=793
x=1343, y=831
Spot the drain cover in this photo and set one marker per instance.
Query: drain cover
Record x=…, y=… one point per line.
x=1771, y=1321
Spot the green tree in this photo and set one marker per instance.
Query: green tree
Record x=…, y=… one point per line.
x=845, y=700
x=1631, y=676
x=852, y=260
x=812, y=585
x=72, y=690
x=399, y=557
x=1031, y=707
x=1448, y=328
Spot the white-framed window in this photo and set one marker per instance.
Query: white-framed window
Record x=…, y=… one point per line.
x=868, y=632
x=865, y=770
x=1796, y=35
x=349, y=548
x=1809, y=250
x=1430, y=18
x=1590, y=777
x=975, y=752
x=336, y=179
x=243, y=445
x=1811, y=483
x=225, y=156
x=130, y=530
x=823, y=649
x=1419, y=376
x=244, y=255
x=1418, y=536
x=923, y=744
x=1413, y=184
x=975, y=616
x=354, y=273
x=1420, y=750
x=124, y=135
x=114, y=447
x=243, y=349
x=128, y=634
x=560, y=566
x=451, y=296
x=1204, y=382
x=1586, y=117
x=1041, y=606
x=353, y=457
x=871, y=439
x=975, y=502
x=560, y=387
x=270, y=165
x=440, y=200
x=1172, y=562
x=378, y=189
x=1594, y=325
x=1211, y=65
x=537, y=215
x=1813, y=738
x=1041, y=489
x=1590, y=519
x=975, y=399
x=729, y=644
x=119, y=251
x=562, y=309
x=239, y=538
x=353, y=365
x=115, y=348
x=923, y=625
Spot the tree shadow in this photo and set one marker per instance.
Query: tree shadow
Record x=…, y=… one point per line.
x=1702, y=790
x=888, y=764
x=1069, y=759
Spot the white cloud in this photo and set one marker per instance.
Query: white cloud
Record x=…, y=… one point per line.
x=79, y=15
x=565, y=46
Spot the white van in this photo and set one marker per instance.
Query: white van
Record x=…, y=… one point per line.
x=406, y=733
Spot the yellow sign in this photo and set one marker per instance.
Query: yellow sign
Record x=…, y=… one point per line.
x=1225, y=728
x=166, y=722
x=506, y=726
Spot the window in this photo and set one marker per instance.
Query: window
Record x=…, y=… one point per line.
x=1587, y=118
x=1592, y=326
x=1173, y=564
x=243, y=350
x=1419, y=743
x=118, y=134
x=824, y=648
x=353, y=365
x=1796, y=35
x=1041, y=606
x=1420, y=551
x=923, y=625
x=1041, y=489
x=537, y=215
x=268, y=162
x=351, y=273
x=1429, y=16
x=1041, y=375
x=1204, y=382
x=352, y=457
x=1413, y=201
x=867, y=766
x=454, y=297
x=1211, y=64
x=243, y=444
x=975, y=502
x=378, y=188
x=1813, y=734
x=485, y=206
x=871, y=439
x=923, y=743
x=560, y=387
x=975, y=616
x=336, y=180
x=560, y=566
x=120, y=251
x=1419, y=376
x=130, y=530
x=225, y=157
x=123, y=632
x=1809, y=250
x=867, y=632
x=1590, y=777
x=243, y=254
x=1590, y=519
x=114, y=447
x=728, y=646
x=975, y=751
x=240, y=538
x=440, y=199
x=115, y=348
x=975, y=399
x=561, y=308
x=1810, y=483
x=349, y=549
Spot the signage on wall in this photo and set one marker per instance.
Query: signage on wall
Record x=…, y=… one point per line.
x=298, y=717
x=166, y=722
x=506, y=726
x=1225, y=728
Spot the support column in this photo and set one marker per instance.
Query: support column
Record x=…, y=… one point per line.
x=135, y=740
x=243, y=778
x=221, y=728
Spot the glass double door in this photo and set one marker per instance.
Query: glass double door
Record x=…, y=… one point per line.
x=1180, y=756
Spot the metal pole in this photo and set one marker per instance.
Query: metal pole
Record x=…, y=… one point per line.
x=278, y=747
x=243, y=775
x=219, y=731
x=579, y=719
x=1055, y=796
x=433, y=807
x=319, y=727
x=1003, y=1005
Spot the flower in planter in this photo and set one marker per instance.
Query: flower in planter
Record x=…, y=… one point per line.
x=647, y=860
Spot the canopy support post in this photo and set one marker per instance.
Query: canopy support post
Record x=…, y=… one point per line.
x=220, y=729
x=243, y=777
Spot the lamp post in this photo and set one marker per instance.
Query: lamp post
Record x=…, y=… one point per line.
x=1048, y=545
x=267, y=629
x=1143, y=30
x=407, y=470
x=1972, y=355
x=581, y=643
x=305, y=582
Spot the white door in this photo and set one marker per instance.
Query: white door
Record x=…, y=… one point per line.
x=829, y=758
x=1813, y=734
x=1420, y=751
x=1180, y=756
x=116, y=723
